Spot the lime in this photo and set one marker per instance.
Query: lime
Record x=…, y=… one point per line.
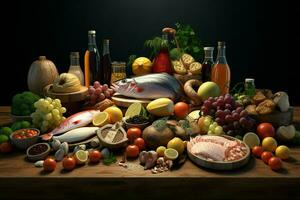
x=81, y=156
x=251, y=139
x=269, y=144
x=177, y=144
x=25, y=124
x=101, y=119
x=160, y=151
x=135, y=109
x=6, y=131
x=171, y=154
x=283, y=152
x=3, y=138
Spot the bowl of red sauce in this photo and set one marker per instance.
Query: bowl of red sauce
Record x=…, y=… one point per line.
x=24, y=138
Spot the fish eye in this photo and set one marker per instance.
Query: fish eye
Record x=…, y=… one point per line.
x=123, y=81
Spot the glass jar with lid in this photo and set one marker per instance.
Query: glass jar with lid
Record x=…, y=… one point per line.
x=118, y=71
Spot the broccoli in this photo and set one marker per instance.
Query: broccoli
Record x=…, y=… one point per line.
x=23, y=103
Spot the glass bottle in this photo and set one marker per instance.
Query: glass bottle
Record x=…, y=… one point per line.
x=249, y=87
x=220, y=73
x=92, y=68
x=162, y=61
x=106, y=63
x=207, y=64
x=75, y=67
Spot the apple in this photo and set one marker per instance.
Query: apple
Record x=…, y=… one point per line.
x=208, y=89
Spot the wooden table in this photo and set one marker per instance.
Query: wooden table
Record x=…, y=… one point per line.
x=19, y=178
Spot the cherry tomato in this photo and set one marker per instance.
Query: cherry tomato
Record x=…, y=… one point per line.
x=69, y=163
x=49, y=165
x=140, y=142
x=132, y=151
x=275, y=163
x=5, y=147
x=133, y=133
x=181, y=109
x=265, y=156
x=17, y=136
x=95, y=156
x=265, y=130
x=257, y=151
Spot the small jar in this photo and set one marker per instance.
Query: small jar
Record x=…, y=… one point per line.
x=249, y=87
x=118, y=71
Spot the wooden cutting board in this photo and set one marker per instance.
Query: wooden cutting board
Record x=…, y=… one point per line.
x=123, y=101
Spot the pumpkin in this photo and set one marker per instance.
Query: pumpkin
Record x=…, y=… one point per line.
x=65, y=83
x=42, y=72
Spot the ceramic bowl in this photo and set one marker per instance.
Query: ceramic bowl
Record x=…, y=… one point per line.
x=40, y=156
x=26, y=142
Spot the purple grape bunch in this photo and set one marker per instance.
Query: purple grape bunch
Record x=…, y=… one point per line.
x=229, y=114
x=98, y=92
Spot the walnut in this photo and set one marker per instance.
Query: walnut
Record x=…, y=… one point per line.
x=259, y=97
x=251, y=109
x=265, y=107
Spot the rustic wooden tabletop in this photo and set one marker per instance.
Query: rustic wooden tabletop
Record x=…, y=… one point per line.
x=19, y=177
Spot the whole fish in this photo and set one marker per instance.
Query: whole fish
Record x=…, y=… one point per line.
x=74, y=121
x=77, y=135
x=150, y=86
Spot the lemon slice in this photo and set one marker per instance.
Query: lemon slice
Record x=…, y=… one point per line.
x=251, y=139
x=81, y=156
x=195, y=68
x=187, y=59
x=101, y=119
x=171, y=154
x=178, y=67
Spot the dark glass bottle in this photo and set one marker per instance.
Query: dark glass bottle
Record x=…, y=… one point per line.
x=92, y=67
x=207, y=64
x=106, y=64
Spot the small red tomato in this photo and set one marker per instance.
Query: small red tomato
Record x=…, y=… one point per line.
x=133, y=133
x=95, y=156
x=265, y=130
x=275, y=163
x=5, y=147
x=69, y=163
x=17, y=136
x=257, y=151
x=181, y=109
x=132, y=151
x=49, y=165
x=140, y=142
x=265, y=156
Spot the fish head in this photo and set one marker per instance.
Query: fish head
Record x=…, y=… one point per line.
x=127, y=87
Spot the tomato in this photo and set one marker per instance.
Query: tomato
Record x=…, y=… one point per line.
x=17, y=136
x=69, y=163
x=265, y=130
x=265, y=156
x=95, y=156
x=133, y=133
x=5, y=147
x=49, y=165
x=257, y=151
x=181, y=109
x=275, y=163
x=140, y=142
x=132, y=151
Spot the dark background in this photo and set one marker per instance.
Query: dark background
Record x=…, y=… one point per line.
x=256, y=33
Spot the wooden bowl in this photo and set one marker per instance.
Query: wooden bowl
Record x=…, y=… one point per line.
x=73, y=101
x=218, y=165
x=130, y=125
x=40, y=156
x=24, y=143
x=276, y=118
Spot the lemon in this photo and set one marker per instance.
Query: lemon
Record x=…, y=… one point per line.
x=115, y=114
x=101, y=119
x=141, y=66
x=282, y=152
x=269, y=144
x=81, y=156
x=160, y=151
x=177, y=144
x=251, y=139
x=170, y=154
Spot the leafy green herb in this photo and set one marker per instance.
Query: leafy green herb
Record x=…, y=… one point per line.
x=156, y=44
x=110, y=159
x=160, y=124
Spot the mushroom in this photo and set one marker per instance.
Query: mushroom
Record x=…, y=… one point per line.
x=281, y=99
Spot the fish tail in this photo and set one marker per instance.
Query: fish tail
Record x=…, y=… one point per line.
x=46, y=136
